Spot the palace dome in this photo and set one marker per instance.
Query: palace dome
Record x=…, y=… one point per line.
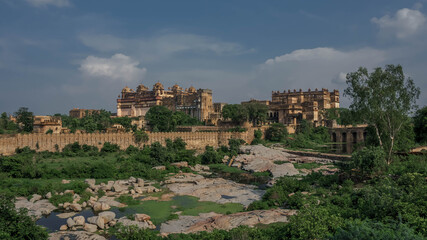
x=158, y=86
x=192, y=89
x=141, y=88
x=126, y=89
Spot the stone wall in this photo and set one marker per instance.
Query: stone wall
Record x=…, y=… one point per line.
x=47, y=142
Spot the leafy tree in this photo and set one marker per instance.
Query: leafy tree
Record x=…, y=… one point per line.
x=420, y=125
x=17, y=224
x=210, y=156
x=383, y=99
x=183, y=119
x=26, y=118
x=159, y=117
x=140, y=137
x=276, y=132
x=257, y=112
x=343, y=116
x=237, y=113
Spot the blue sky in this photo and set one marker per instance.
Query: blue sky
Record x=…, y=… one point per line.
x=60, y=54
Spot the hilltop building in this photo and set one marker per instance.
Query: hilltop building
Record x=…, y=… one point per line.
x=44, y=123
x=196, y=103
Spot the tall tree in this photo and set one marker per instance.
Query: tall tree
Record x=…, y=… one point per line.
x=26, y=118
x=383, y=98
x=160, y=118
x=257, y=112
x=235, y=112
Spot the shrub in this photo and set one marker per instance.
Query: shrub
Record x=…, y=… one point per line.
x=369, y=160
x=110, y=147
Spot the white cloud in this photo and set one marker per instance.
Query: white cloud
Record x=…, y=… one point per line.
x=162, y=46
x=42, y=3
x=315, y=68
x=404, y=24
x=118, y=67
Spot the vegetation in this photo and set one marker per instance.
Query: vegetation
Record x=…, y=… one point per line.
x=277, y=132
x=25, y=119
x=161, y=119
x=6, y=125
x=17, y=224
x=383, y=99
x=254, y=112
x=420, y=125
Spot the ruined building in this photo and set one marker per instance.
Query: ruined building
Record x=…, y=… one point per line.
x=289, y=107
x=196, y=103
x=81, y=113
x=42, y=124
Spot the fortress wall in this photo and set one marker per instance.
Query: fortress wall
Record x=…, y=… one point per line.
x=47, y=142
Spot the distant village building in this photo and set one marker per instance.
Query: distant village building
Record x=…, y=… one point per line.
x=196, y=103
x=81, y=113
x=42, y=124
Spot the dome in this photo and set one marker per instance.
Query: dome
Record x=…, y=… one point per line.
x=126, y=89
x=176, y=88
x=192, y=89
x=158, y=86
x=141, y=88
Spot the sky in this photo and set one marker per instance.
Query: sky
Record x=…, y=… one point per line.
x=59, y=54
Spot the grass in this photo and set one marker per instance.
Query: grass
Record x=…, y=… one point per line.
x=162, y=211
x=128, y=200
x=226, y=169
x=278, y=162
x=307, y=165
x=57, y=199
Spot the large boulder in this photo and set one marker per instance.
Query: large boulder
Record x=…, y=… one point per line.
x=90, y=227
x=75, y=207
x=140, y=217
x=35, y=198
x=118, y=187
x=107, y=216
x=36, y=209
x=98, y=221
x=79, y=220
x=127, y=222
x=70, y=222
x=78, y=235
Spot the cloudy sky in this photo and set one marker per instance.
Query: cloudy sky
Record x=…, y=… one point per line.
x=60, y=54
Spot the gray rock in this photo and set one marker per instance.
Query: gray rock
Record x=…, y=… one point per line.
x=35, y=197
x=35, y=209
x=70, y=222
x=127, y=222
x=75, y=207
x=90, y=227
x=78, y=235
x=79, y=220
x=107, y=216
x=48, y=195
x=140, y=182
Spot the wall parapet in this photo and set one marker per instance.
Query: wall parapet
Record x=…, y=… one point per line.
x=52, y=142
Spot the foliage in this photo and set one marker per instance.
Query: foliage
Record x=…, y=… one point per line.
x=140, y=137
x=128, y=200
x=160, y=118
x=420, y=125
x=276, y=132
x=257, y=137
x=343, y=116
x=257, y=112
x=369, y=160
x=237, y=113
x=17, y=224
x=25, y=118
x=110, y=147
x=210, y=156
x=6, y=125
x=383, y=99
x=57, y=199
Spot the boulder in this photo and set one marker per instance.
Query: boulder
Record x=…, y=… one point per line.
x=160, y=168
x=140, y=217
x=35, y=209
x=48, y=195
x=63, y=228
x=117, y=187
x=70, y=222
x=65, y=181
x=140, y=182
x=84, y=204
x=69, y=191
x=90, y=182
x=35, y=197
x=107, y=216
x=90, y=227
x=75, y=207
x=132, y=191
x=127, y=222
x=79, y=220
x=180, y=164
x=132, y=180
x=66, y=205
x=98, y=221
x=78, y=235
x=66, y=215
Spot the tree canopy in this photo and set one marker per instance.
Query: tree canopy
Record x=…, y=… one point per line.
x=420, y=125
x=160, y=118
x=383, y=98
x=25, y=118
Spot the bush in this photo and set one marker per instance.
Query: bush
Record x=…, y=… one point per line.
x=210, y=156
x=368, y=161
x=110, y=147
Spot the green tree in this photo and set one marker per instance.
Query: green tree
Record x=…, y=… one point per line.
x=26, y=118
x=17, y=224
x=257, y=112
x=276, y=132
x=237, y=113
x=383, y=99
x=159, y=117
x=420, y=125
x=140, y=137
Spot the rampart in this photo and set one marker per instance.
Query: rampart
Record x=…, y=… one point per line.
x=47, y=142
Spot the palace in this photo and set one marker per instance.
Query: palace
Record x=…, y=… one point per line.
x=196, y=103
x=292, y=106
